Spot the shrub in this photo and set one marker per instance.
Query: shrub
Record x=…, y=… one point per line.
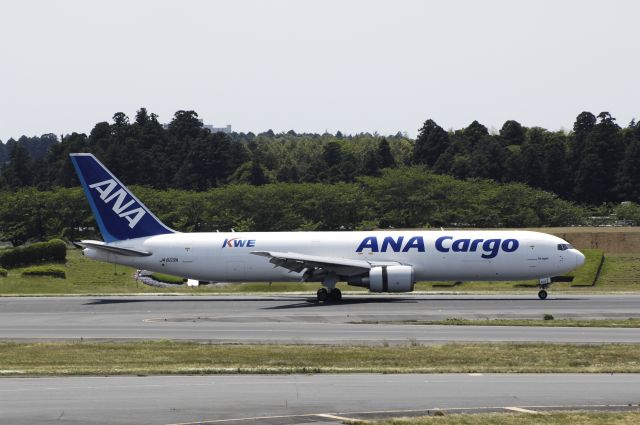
x=54, y=250
x=3, y=272
x=548, y=317
x=52, y=271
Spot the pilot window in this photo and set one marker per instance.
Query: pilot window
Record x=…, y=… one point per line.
x=564, y=246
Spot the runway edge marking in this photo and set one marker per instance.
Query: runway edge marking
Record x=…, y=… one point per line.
x=254, y=418
x=339, y=418
x=521, y=410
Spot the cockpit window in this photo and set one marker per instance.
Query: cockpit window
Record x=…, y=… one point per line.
x=564, y=246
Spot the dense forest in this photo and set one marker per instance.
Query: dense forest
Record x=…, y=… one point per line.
x=269, y=181
x=405, y=197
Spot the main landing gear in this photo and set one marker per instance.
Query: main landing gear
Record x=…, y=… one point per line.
x=543, y=285
x=330, y=293
x=333, y=295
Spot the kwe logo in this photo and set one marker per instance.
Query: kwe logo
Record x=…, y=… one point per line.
x=130, y=210
x=238, y=243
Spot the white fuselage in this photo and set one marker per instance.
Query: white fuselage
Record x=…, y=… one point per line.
x=434, y=255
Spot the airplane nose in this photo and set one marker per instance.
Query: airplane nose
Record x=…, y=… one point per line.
x=579, y=258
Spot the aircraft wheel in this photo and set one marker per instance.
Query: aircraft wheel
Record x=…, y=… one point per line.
x=335, y=295
x=542, y=294
x=323, y=295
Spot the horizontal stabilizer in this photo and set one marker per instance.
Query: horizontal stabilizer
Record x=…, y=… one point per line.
x=101, y=246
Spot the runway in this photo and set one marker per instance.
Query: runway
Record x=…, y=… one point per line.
x=297, y=319
x=296, y=398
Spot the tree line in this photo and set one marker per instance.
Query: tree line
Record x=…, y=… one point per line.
x=198, y=180
x=185, y=155
x=596, y=162
x=407, y=197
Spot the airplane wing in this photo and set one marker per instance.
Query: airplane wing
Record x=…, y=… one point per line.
x=299, y=262
x=101, y=246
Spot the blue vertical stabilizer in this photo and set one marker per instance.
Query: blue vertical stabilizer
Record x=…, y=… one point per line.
x=120, y=215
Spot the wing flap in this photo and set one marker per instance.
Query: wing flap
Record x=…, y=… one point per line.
x=296, y=262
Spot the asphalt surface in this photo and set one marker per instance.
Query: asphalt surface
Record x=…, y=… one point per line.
x=293, y=399
x=301, y=398
x=296, y=319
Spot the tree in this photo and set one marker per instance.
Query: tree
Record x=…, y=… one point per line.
x=257, y=176
x=555, y=171
x=531, y=157
x=120, y=119
x=628, y=186
x=332, y=153
x=185, y=125
x=288, y=173
x=19, y=172
x=209, y=161
x=512, y=133
x=142, y=116
x=475, y=132
x=431, y=142
x=585, y=122
x=385, y=155
x=596, y=173
x=488, y=159
x=371, y=164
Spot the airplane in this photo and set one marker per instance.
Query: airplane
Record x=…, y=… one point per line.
x=381, y=260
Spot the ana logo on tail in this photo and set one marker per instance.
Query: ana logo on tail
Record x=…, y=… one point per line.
x=107, y=194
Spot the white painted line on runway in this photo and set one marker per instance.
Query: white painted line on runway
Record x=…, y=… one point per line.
x=338, y=418
x=521, y=410
x=254, y=418
x=400, y=412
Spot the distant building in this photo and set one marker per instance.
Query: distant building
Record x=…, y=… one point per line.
x=227, y=129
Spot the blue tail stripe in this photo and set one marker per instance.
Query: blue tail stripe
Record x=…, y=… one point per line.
x=119, y=214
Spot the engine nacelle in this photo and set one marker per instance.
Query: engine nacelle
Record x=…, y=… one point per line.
x=391, y=279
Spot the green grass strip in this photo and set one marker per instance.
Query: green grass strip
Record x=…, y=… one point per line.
x=552, y=323
x=573, y=418
x=167, y=357
x=620, y=273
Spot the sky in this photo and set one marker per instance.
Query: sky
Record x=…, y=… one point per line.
x=315, y=66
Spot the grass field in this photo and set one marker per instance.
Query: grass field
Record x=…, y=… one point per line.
x=167, y=357
x=564, y=418
x=621, y=273
x=86, y=276
x=583, y=277
x=553, y=323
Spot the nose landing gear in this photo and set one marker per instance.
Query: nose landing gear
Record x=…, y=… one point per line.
x=543, y=285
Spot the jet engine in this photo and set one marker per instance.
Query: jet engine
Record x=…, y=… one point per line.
x=387, y=279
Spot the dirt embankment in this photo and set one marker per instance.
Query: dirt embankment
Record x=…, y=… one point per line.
x=612, y=240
